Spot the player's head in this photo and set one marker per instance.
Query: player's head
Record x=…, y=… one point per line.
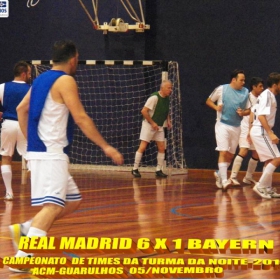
x=22, y=71
x=237, y=78
x=256, y=85
x=166, y=88
x=273, y=82
x=64, y=52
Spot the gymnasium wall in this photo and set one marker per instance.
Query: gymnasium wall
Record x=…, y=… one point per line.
x=208, y=38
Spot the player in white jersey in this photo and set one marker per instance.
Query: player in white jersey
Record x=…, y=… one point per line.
x=231, y=103
x=46, y=115
x=263, y=137
x=11, y=94
x=256, y=87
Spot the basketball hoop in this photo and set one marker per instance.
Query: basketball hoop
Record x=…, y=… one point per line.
x=118, y=25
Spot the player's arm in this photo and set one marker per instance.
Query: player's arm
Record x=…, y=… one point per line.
x=212, y=105
x=251, y=120
x=22, y=112
x=272, y=136
x=69, y=93
x=169, y=123
x=146, y=115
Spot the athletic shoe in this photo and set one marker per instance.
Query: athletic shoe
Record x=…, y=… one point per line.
x=20, y=270
x=249, y=181
x=226, y=183
x=160, y=174
x=262, y=192
x=135, y=173
x=273, y=193
x=15, y=231
x=218, y=180
x=234, y=181
x=8, y=196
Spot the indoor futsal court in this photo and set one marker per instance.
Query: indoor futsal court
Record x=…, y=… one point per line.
x=181, y=206
x=126, y=50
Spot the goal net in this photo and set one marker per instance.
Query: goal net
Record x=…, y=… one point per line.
x=113, y=94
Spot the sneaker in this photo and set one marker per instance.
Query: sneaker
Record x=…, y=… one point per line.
x=262, y=192
x=160, y=174
x=249, y=181
x=15, y=231
x=20, y=270
x=8, y=196
x=234, y=181
x=218, y=180
x=273, y=193
x=226, y=183
x=135, y=173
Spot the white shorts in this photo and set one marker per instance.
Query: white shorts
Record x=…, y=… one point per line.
x=264, y=147
x=51, y=182
x=243, y=143
x=12, y=136
x=148, y=133
x=227, y=137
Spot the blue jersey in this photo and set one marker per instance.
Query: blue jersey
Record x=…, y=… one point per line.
x=39, y=93
x=14, y=92
x=232, y=100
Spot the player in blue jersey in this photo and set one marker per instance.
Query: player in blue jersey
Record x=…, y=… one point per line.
x=156, y=116
x=46, y=116
x=256, y=88
x=231, y=103
x=11, y=94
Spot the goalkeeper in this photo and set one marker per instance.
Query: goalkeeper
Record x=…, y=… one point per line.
x=156, y=117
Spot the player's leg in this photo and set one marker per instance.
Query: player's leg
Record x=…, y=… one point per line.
x=252, y=165
x=146, y=136
x=268, y=153
x=8, y=142
x=160, y=159
x=227, y=141
x=243, y=151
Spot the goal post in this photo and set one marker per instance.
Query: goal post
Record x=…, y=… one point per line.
x=113, y=93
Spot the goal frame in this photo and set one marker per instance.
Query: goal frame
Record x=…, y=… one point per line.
x=165, y=64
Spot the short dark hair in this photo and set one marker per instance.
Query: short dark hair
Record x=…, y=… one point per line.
x=21, y=67
x=255, y=81
x=63, y=50
x=235, y=73
x=273, y=78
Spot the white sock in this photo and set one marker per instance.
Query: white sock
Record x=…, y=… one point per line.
x=32, y=232
x=252, y=165
x=7, y=177
x=223, y=166
x=137, y=160
x=160, y=160
x=236, y=166
x=25, y=227
x=266, y=177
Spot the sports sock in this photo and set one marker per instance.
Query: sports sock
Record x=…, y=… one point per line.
x=137, y=160
x=266, y=177
x=25, y=227
x=236, y=166
x=252, y=165
x=32, y=232
x=223, y=166
x=7, y=177
x=160, y=160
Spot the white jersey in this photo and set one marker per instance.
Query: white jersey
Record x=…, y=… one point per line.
x=245, y=121
x=217, y=96
x=267, y=106
x=52, y=130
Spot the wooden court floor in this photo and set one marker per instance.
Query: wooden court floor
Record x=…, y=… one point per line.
x=115, y=205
